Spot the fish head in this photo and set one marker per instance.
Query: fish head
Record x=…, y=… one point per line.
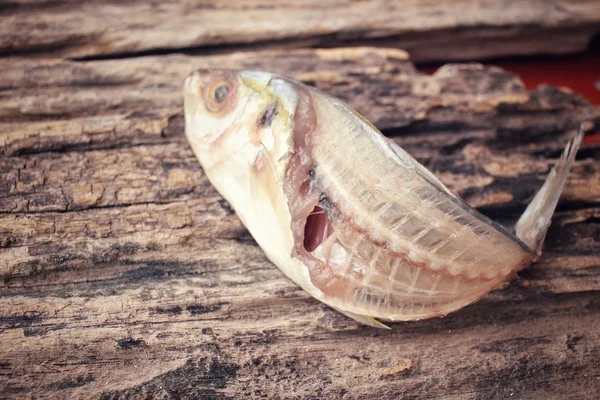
x=230, y=111
x=239, y=125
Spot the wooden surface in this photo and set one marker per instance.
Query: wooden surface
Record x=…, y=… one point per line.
x=124, y=274
x=432, y=30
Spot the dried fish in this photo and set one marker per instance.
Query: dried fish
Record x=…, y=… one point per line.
x=346, y=213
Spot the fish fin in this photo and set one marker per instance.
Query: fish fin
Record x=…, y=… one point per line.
x=533, y=224
x=419, y=169
x=363, y=319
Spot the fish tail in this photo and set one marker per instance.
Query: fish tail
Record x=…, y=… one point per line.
x=533, y=224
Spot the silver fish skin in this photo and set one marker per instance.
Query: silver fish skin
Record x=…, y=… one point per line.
x=343, y=211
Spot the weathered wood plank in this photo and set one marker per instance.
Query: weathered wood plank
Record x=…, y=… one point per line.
x=465, y=116
x=123, y=273
x=429, y=30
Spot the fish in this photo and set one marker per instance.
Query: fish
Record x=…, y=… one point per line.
x=345, y=212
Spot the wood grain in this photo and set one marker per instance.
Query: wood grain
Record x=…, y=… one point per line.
x=123, y=273
x=431, y=30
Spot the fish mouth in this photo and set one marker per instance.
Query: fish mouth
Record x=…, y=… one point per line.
x=190, y=81
x=195, y=81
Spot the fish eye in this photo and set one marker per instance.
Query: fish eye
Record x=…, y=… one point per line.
x=221, y=93
x=217, y=95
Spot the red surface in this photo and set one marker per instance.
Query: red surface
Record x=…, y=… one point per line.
x=580, y=73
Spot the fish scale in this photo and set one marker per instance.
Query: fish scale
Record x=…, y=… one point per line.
x=350, y=188
x=402, y=282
